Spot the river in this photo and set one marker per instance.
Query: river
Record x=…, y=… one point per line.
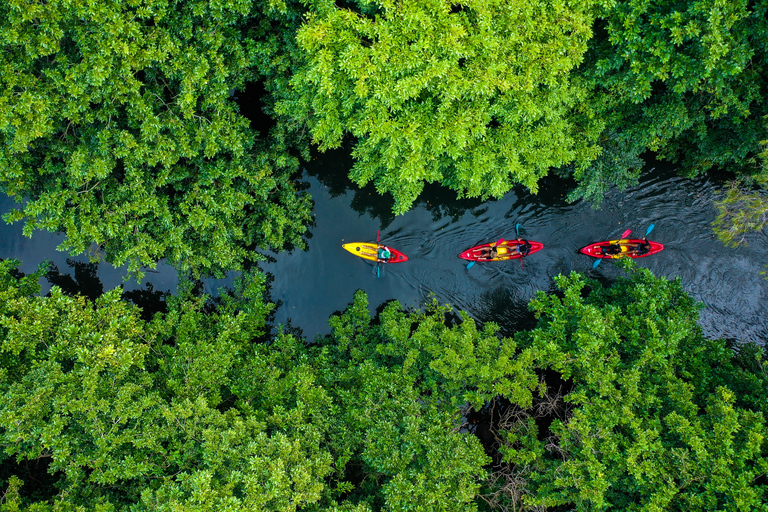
x=311, y=285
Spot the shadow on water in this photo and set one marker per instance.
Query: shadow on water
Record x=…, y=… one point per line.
x=83, y=280
x=310, y=285
x=39, y=484
x=150, y=301
x=439, y=227
x=332, y=170
x=287, y=326
x=508, y=311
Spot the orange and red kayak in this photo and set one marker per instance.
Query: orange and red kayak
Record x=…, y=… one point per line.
x=505, y=250
x=598, y=249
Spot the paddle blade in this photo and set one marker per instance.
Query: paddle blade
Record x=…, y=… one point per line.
x=650, y=228
x=626, y=233
x=595, y=264
x=470, y=265
x=378, y=271
x=517, y=230
x=377, y=236
x=497, y=242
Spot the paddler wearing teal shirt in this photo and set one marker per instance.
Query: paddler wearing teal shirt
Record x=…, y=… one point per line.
x=384, y=253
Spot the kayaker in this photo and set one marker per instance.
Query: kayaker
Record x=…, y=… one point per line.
x=611, y=249
x=384, y=254
x=488, y=253
x=524, y=248
x=641, y=249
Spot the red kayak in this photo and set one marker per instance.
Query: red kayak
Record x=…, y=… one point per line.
x=505, y=250
x=627, y=246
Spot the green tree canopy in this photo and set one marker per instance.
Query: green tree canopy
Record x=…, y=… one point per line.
x=476, y=95
x=193, y=411
x=686, y=80
x=202, y=408
x=743, y=208
x=661, y=417
x=140, y=414
x=118, y=128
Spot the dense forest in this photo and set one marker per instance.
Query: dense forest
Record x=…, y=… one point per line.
x=614, y=401
x=123, y=126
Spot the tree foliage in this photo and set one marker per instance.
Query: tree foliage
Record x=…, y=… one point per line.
x=118, y=128
x=134, y=413
x=394, y=411
x=192, y=411
x=685, y=80
x=475, y=95
x=615, y=401
x=661, y=418
x=743, y=208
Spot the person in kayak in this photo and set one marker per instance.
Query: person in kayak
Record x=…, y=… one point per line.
x=524, y=248
x=384, y=254
x=488, y=253
x=641, y=249
x=611, y=249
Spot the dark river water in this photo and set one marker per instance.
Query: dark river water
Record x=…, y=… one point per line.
x=311, y=285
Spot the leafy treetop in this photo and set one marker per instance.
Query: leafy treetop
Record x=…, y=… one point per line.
x=118, y=128
x=476, y=95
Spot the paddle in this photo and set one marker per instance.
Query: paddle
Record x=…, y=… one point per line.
x=650, y=228
x=623, y=235
x=472, y=263
x=378, y=274
x=517, y=231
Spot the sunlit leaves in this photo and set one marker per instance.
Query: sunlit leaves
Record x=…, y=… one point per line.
x=655, y=423
x=193, y=410
x=137, y=414
x=743, y=208
x=685, y=80
x=118, y=125
x=476, y=95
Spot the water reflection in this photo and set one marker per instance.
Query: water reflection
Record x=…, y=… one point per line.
x=85, y=281
x=331, y=169
x=502, y=306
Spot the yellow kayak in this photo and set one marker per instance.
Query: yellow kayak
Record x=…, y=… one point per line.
x=369, y=251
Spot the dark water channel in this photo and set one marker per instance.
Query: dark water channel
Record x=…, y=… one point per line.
x=312, y=285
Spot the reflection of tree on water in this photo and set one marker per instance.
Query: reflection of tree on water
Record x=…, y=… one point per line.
x=332, y=170
x=85, y=281
x=150, y=301
x=500, y=305
x=87, y=284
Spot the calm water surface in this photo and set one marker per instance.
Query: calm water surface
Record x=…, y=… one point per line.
x=311, y=285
